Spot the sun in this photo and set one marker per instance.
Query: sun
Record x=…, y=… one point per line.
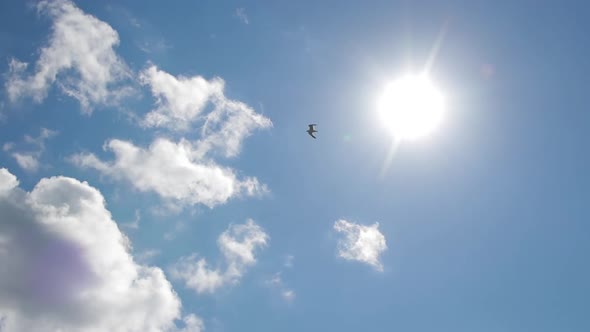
x=411, y=107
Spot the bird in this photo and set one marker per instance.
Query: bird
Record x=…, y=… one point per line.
x=311, y=130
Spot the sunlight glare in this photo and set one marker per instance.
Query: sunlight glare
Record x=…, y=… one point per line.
x=411, y=107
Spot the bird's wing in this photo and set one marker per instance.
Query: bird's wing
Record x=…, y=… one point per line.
x=312, y=126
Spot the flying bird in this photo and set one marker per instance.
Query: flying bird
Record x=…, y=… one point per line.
x=312, y=130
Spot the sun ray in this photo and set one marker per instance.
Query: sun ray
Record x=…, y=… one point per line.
x=436, y=47
x=395, y=143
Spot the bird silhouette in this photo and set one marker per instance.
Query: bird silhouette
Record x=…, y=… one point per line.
x=312, y=130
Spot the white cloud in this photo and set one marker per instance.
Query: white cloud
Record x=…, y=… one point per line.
x=289, y=261
x=2, y=114
x=147, y=255
x=67, y=267
x=7, y=146
x=240, y=13
x=178, y=228
x=7, y=181
x=288, y=294
x=276, y=282
x=182, y=101
x=135, y=223
x=360, y=243
x=169, y=169
x=79, y=57
x=238, y=245
x=26, y=161
x=29, y=159
x=192, y=324
x=227, y=126
x=179, y=100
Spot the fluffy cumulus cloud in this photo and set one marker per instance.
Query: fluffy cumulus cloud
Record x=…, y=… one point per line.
x=185, y=172
x=238, y=245
x=360, y=243
x=67, y=267
x=170, y=170
x=183, y=101
x=179, y=100
x=79, y=58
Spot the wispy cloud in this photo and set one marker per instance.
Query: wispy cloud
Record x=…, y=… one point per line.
x=178, y=227
x=276, y=282
x=240, y=13
x=147, y=255
x=28, y=159
x=289, y=259
x=135, y=223
x=360, y=243
x=238, y=245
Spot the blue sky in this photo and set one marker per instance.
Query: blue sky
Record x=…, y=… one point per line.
x=164, y=171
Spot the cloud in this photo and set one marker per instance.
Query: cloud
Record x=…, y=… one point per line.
x=238, y=245
x=184, y=172
x=178, y=228
x=26, y=161
x=2, y=114
x=67, y=267
x=135, y=223
x=182, y=101
x=289, y=261
x=7, y=182
x=227, y=126
x=360, y=243
x=240, y=13
x=79, y=58
x=179, y=100
x=288, y=294
x=29, y=159
x=276, y=282
x=7, y=146
x=148, y=254
x=169, y=169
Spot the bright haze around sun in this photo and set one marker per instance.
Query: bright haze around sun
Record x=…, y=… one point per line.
x=411, y=107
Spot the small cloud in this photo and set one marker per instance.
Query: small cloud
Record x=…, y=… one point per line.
x=153, y=46
x=2, y=115
x=238, y=245
x=29, y=158
x=289, y=261
x=288, y=295
x=135, y=223
x=134, y=22
x=178, y=227
x=361, y=243
x=240, y=13
x=8, y=146
x=276, y=282
x=26, y=161
x=147, y=255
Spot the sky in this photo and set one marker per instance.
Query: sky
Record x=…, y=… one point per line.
x=155, y=172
